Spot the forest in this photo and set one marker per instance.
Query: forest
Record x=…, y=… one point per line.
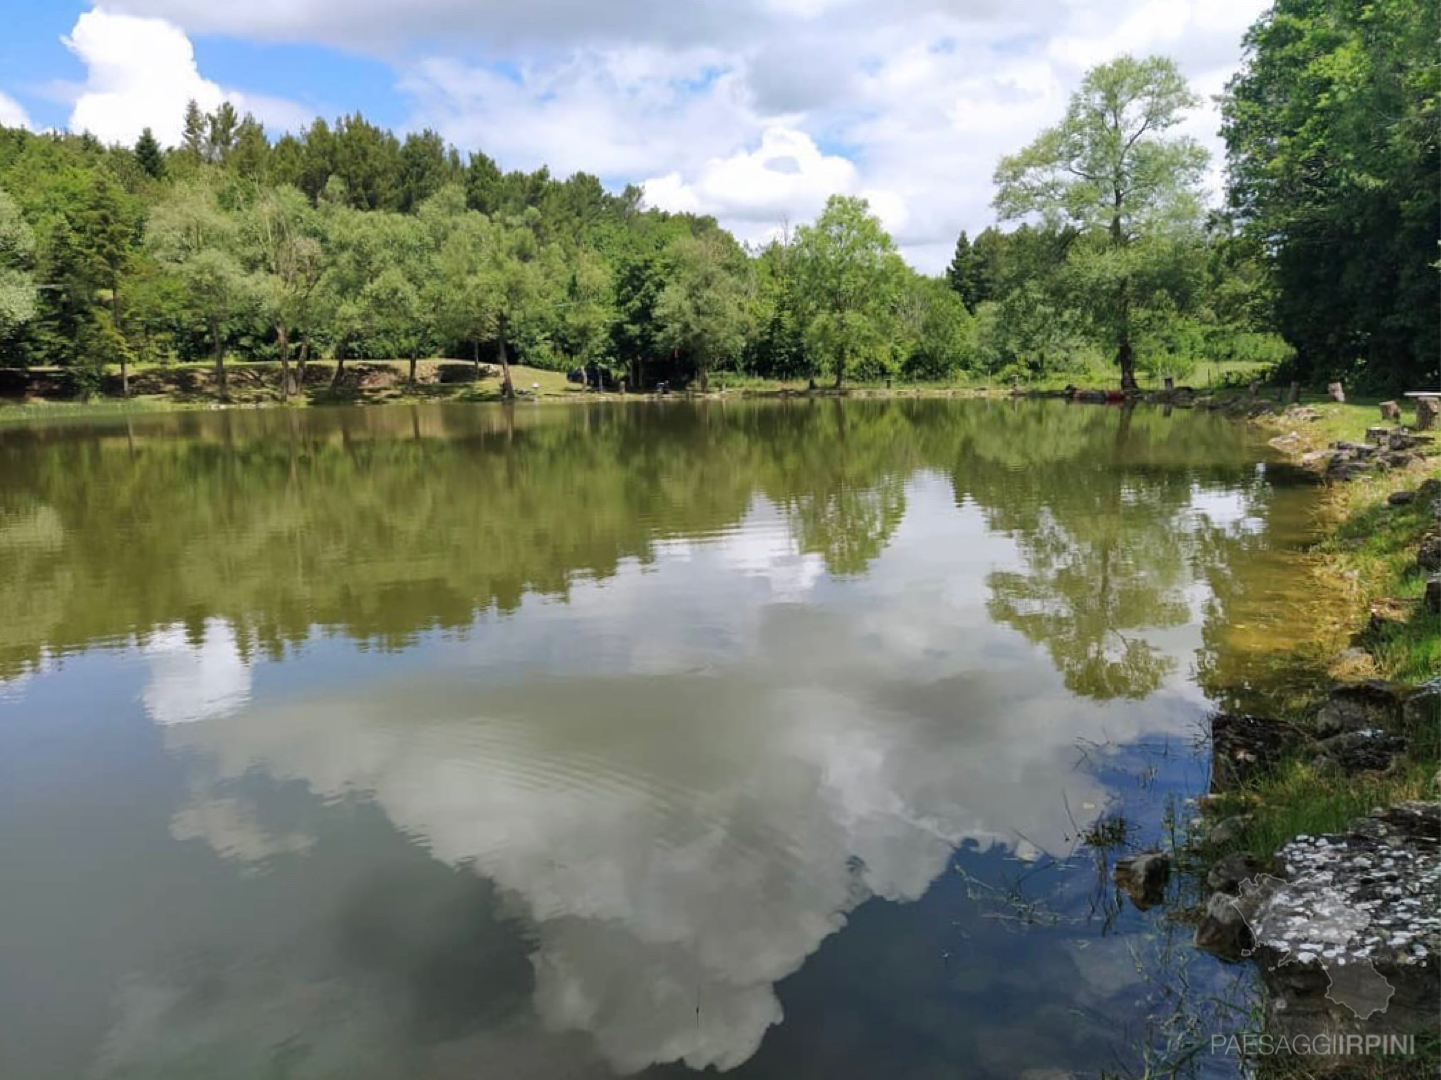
x=348, y=241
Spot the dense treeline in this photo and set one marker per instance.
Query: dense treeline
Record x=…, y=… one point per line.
x=346, y=241
x=1333, y=133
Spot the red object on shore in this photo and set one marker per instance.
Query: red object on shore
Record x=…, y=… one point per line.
x=1115, y=395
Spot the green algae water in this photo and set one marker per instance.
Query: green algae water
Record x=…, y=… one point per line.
x=458, y=741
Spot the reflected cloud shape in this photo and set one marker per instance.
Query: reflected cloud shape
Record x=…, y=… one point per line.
x=678, y=843
x=192, y=681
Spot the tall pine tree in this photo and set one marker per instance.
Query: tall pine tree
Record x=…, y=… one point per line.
x=149, y=155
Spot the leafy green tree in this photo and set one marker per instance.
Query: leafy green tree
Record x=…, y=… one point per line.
x=586, y=309
x=1333, y=150
x=149, y=155
x=195, y=238
x=1110, y=171
x=841, y=269
x=17, y=286
x=517, y=281
x=250, y=155
x=703, y=310
x=283, y=248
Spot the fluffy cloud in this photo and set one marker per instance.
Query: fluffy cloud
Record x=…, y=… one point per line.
x=910, y=102
x=11, y=113
x=140, y=72
x=699, y=791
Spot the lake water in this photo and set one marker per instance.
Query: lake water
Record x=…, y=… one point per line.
x=470, y=741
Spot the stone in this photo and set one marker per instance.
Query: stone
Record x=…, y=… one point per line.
x=1401, y=498
x=1318, y=459
x=1302, y=412
x=1378, y=436
x=1346, y=471
x=1389, y=612
x=1228, y=830
x=1402, y=440
x=1223, y=930
x=1428, y=556
x=1429, y=490
x=1356, y=706
x=1242, y=747
x=1350, y=941
x=1421, y=711
x=1143, y=877
x=1390, y=410
x=1227, y=872
x=1336, y=392
x=1367, y=750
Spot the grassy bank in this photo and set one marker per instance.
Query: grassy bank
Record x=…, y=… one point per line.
x=1367, y=622
x=370, y=382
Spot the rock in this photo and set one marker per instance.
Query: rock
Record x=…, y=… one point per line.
x=1389, y=612
x=1429, y=490
x=1302, y=412
x=1378, y=436
x=1401, y=498
x=1367, y=750
x=1390, y=410
x=1432, y=599
x=1287, y=444
x=1143, y=877
x=1353, y=707
x=1318, y=459
x=1227, y=831
x=1428, y=557
x=1244, y=746
x=1350, y=942
x=1336, y=393
x=1227, y=873
x=1421, y=711
x=1346, y=471
x=1224, y=930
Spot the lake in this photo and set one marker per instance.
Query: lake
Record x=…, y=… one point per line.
x=537, y=741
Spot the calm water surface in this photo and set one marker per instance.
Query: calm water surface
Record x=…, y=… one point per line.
x=471, y=742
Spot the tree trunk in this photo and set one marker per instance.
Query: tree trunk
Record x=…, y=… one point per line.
x=115, y=322
x=287, y=384
x=218, y=344
x=339, y=367
x=414, y=362
x=304, y=359
x=704, y=379
x=1126, y=357
x=475, y=357
x=840, y=371
x=507, y=391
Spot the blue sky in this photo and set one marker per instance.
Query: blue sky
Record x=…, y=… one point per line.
x=752, y=110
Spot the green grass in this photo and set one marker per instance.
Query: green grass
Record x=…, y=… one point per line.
x=1367, y=552
x=84, y=410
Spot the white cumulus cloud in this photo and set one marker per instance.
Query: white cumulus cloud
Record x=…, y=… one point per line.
x=910, y=102
x=139, y=74
x=11, y=113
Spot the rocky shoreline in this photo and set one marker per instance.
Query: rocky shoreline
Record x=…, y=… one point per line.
x=1342, y=929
